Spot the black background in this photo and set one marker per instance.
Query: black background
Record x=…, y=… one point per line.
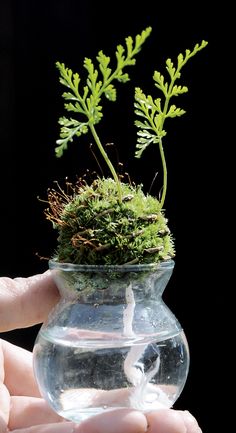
x=33, y=36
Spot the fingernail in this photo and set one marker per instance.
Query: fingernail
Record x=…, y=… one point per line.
x=190, y=422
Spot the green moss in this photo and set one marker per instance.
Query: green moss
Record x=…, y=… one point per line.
x=94, y=227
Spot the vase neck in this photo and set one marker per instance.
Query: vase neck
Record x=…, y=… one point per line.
x=111, y=284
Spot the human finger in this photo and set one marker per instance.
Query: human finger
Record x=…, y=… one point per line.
x=172, y=421
x=26, y=301
x=26, y=411
x=190, y=422
x=3, y=425
x=121, y=420
x=49, y=428
x=4, y=396
x=4, y=407
x=18, y=370
x=115, y=421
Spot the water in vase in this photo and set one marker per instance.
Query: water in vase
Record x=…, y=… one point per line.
x=81, y=376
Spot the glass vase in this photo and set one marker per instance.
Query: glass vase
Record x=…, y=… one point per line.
x=111, y=342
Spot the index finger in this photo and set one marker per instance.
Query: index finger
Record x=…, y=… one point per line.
x=25, y=302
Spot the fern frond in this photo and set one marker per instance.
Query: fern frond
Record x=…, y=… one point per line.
x=99, y=83
x=155, y=111
x=87, y=104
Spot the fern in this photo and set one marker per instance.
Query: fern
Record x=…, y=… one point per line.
x=85, y=100
x=154, y=111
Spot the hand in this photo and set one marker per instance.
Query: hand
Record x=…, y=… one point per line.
x=25, y=302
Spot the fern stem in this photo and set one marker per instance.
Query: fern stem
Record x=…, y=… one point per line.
x=163, y=159
x=106, y=158
x=163, y=195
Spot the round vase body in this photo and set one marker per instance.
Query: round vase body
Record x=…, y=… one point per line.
x=111, y=342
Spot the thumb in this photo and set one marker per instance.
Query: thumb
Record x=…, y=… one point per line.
x=172, y=421
x=115, y=421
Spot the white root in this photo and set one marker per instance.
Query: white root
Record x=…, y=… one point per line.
x=133, y=368
x=129, y=312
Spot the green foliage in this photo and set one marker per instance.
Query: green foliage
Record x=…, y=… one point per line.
x=94, y=228
x=109, y=221
x=154, y=111
x=85, y=100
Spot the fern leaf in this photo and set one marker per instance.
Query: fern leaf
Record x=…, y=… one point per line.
x=174, y=111
x=144, y=125
x=170, y=68
x=110, y=92
x=145, y=138
x=178, y=90
x=69, y=96
x=103, y=65
x=160, y=82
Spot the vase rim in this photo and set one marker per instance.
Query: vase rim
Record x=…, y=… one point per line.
x=164, y=264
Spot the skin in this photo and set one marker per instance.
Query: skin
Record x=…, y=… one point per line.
x=25, y=302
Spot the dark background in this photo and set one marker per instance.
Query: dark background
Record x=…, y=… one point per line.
x=33, y=36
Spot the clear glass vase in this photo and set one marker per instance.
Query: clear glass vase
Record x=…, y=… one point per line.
x=111, y=342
